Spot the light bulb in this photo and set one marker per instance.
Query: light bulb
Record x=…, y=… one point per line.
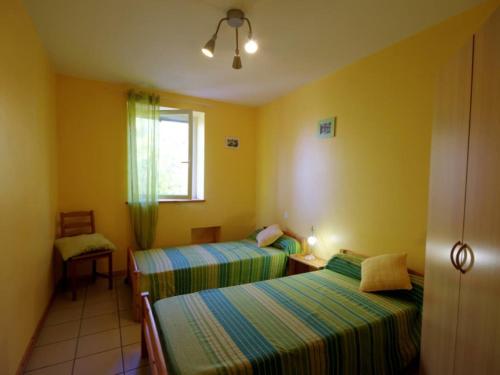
x=251, y=46
x=207, y=52
x=311, y=240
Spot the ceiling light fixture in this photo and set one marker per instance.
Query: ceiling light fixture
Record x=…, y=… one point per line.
x=235, y=18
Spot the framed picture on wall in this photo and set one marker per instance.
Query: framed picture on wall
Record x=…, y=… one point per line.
x=232, y=142
x=326, y=127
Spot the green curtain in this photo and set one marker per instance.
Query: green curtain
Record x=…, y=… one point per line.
x=143, y=121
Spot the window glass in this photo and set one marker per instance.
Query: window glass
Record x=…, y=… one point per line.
x=181, y=158
x=174, y=155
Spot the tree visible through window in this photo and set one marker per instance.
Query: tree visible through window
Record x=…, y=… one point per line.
x=181, y=154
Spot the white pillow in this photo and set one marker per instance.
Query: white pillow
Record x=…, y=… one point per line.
x=267, y=236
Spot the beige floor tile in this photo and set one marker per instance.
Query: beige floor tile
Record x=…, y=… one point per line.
x=104, y=363
x=100, y=283
x=125, y=293
x=98, y=298
x=60, y=332
x=61, y=369
x=125, y=302
x=126, y=318
x=64, y=301
x=58, y=316
x=132, y=357
x=139, y=371
x=120, y=280
x=99, y=289
x=98, y=342
x=99, y=323
x=100, y=308
x=123, y=288
x=131, y=334
x=51, y=354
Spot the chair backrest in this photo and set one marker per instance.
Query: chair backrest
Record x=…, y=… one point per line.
x=77, y=222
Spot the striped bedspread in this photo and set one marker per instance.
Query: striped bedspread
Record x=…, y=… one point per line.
x=174, y=271
x=313, y=323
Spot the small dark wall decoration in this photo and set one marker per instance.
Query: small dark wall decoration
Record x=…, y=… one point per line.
x=232, y=142
x=326, y=127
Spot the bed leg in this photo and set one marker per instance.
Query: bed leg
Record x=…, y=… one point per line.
x=94, y=271
x=136, y=297
x=134, y=276
x=144, y=348
x=127, y=277
x=65, y=275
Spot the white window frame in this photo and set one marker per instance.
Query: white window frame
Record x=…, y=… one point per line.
x=192, y=156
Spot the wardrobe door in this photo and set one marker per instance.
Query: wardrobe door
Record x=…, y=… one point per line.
x=446, y=210
x=478, y=340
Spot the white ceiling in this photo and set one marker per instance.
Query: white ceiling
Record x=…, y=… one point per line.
x=156, y=43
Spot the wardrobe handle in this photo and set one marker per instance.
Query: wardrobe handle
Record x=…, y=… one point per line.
x=452, y=254
x=468, y=252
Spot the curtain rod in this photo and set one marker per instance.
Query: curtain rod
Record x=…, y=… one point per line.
x=169, y=98
x=187, y=101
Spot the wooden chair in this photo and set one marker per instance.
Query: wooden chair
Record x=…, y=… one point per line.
x=73, y=224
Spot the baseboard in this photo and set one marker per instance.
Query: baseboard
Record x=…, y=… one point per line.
x=31, y=344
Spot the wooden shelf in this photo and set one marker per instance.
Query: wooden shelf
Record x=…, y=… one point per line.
x=205, y=235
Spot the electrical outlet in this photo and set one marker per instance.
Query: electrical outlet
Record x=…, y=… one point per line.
x=285, y=215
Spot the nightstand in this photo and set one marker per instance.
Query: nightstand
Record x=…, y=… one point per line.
x=298, y=264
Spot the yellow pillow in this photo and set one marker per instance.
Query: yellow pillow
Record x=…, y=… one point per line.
x=384, y=272
x=267, y=236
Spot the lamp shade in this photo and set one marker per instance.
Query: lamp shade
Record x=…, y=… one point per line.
x=236, y=62
x=209, y=48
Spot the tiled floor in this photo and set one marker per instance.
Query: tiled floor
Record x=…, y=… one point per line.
x=94, y=335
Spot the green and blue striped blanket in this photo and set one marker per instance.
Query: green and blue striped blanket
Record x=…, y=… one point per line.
x=187, y=269
x=312, y=323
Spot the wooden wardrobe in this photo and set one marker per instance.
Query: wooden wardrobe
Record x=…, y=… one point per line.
x=461, y=318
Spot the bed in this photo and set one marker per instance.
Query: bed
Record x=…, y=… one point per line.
x=312, y=323
x=179, y=270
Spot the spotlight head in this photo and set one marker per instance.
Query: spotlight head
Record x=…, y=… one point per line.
x=236, y=62
x=209, y=48
x=251, y=46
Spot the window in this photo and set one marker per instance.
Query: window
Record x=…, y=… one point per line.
x=181, y=154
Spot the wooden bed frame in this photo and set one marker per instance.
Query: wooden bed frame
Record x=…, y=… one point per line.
x=134, y=275
x=151, y=345
x=150, y=341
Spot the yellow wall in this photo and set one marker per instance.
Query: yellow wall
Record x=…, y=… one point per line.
x=92, y=164
x=366, y=189
x=28, y=182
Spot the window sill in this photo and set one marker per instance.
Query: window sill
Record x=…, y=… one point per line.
x=161, y=201
x=181, y=201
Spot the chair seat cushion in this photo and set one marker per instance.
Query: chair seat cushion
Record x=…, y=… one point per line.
x=84, y=243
